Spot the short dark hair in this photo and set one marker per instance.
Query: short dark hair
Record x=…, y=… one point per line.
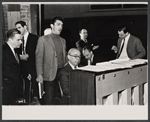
x=22, y=23
x=53, y=20
x=11, y=33
x=89, y=48
x=124, y=28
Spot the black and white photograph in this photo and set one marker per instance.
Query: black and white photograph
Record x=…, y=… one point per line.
x=74, y=60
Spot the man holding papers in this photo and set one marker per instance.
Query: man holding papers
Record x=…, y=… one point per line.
x=90, y=57
x=128, y=45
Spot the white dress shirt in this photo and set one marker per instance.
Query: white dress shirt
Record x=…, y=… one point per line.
x=25, y=39
x=124, y=54
x=73, y=67
x=12, y=49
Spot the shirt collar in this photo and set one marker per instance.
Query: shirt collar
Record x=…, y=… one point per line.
x=72, y=66
x=127, y=37
x=26, y=35
x=85, y=40
x=10, y=46
x=92, y=57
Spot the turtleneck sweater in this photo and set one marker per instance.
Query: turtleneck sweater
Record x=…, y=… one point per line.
x=59, y=49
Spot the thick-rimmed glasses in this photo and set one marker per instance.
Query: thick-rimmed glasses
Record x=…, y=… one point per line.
x=76, y=56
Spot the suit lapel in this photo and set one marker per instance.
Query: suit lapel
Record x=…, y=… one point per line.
x=12, y=54
x=129, y=43
x=27, y=43
x=69, y=68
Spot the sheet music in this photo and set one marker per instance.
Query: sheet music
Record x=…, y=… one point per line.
x=129, y=62
x=113, y=65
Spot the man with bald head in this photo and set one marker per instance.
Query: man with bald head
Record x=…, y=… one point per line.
x=73, y=61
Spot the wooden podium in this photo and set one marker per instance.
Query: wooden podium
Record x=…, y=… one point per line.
x=102, y=88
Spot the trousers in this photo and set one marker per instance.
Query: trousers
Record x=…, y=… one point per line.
x=52, y=90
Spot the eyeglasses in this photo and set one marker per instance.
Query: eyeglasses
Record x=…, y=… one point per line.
x=75, y=56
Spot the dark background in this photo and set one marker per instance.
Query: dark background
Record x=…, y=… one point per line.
x=103, y=30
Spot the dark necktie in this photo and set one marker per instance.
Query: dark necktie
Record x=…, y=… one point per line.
x=23, y=51
x=16, y=56
x=121, y=47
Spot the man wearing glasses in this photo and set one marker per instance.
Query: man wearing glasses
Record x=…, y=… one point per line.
x=73, y=61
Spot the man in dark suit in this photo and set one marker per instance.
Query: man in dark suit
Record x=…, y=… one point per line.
x=128, y=45
x=90, y=57
x=27, y=56
x=83, y=41
x=73, y=61
x=10, y=67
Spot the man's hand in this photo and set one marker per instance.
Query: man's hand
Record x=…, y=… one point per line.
x=95, y=47
x=39, y=79
x=24, y=57
x=114, y=48
x=29, y=77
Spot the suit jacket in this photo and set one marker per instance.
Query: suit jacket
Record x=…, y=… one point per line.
x=80, y=44
x=96, y=59
x=28, y=67
x=10, y=66
x=46, y=57
x=135, y=48
x=64, y=79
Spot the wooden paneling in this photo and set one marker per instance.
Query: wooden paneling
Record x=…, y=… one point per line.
x=82, y=88
x=13, y=17
x=34, y=18
x=110, y=88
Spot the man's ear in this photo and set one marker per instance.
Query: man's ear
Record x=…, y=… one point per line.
x=68, y=57
x=25, y=27
x=51, y=25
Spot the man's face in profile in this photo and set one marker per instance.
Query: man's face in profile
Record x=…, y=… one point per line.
x=122, y=35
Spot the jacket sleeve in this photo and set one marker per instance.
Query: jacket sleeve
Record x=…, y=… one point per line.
x=140, y=49
x=64, y=82
x=78, y=45
x=39, y=56
x=118, y=47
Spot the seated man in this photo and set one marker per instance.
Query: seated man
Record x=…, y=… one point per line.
x=73, y=61
x=90, y=57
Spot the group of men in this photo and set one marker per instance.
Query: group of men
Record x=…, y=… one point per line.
x=44, y=60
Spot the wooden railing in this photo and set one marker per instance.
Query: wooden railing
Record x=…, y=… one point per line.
x=126, y=87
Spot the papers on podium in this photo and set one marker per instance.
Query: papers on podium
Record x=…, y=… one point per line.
x=129, y=62
x=41, y=91
x=113, y=65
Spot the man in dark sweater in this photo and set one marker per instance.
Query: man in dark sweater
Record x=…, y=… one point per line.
x=50, y=59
